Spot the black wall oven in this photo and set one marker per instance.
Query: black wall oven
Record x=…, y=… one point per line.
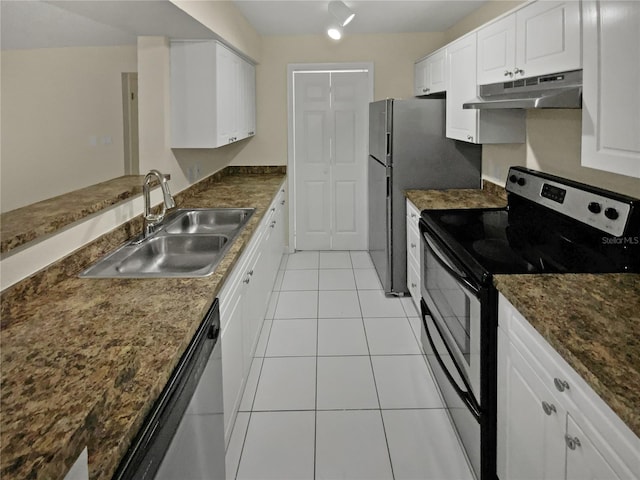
x=550, y=225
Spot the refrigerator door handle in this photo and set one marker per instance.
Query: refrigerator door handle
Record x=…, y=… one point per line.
x=388, y=186
x=388, y=144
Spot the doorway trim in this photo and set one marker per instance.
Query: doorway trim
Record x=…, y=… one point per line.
x=293, y=68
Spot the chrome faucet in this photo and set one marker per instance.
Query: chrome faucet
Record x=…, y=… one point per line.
x=151, y=220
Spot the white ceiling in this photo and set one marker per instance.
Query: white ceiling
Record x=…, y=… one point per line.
x=296, y=17
x=64, y=23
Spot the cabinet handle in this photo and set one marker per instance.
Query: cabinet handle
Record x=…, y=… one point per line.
x=413, y=215
x=282, y=202
x=246, y=280
x=548, y=408
x=413, y=285
x=250, y=273
x=273, y=224
x=413, y=245
x=561, y=385
x=470, y=138
x=507, y=73
x=425, y=90
x=273, y=209
x=572, y=442
x=518, y=71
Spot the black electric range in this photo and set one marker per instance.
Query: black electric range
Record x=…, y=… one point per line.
x=550, y=225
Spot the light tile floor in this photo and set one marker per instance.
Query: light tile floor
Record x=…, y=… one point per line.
x=339, y=388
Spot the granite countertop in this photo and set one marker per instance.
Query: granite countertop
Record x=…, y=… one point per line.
x=592, y=322
x=490, y=196
x=84, y=359
x=25, y=224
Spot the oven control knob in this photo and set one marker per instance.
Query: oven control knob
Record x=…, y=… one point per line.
x=611, y=213
x=521, y=181
x=594, y=207
x=513, y=179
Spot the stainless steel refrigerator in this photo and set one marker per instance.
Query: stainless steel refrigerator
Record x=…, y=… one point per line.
x=408, y=150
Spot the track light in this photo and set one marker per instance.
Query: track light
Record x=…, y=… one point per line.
x=334, y=32
x=341, y=12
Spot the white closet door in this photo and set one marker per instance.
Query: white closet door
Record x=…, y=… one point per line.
x=312, y=160
x=330, y=155
x=350, y=94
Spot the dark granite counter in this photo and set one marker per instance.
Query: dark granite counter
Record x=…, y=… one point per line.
x=592, y=321
x=84, y=359
x=489, y=196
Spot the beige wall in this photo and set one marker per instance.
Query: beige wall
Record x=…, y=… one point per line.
x=553, y=136
x=62, y=126
x=393, y=56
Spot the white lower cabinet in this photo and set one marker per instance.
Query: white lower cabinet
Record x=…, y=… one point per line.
x=551, y=424
x=413, y=254
x=244, y=300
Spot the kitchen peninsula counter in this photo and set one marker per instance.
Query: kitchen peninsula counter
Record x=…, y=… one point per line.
x=592, y=322
x=83, y=360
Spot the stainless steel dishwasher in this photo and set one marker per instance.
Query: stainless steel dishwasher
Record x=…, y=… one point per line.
x=183, y=435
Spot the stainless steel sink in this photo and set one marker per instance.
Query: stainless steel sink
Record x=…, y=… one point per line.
x=208, y=220
x=173, y=254
x=191, y=244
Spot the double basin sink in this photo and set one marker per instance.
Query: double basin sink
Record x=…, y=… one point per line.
x=190, y=243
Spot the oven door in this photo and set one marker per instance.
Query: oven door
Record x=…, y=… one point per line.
x=453, y=302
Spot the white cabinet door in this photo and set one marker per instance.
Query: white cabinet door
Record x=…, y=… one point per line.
x=249, y=99
x=227, y=94
x=233, y=363
x=212, y=95
x=611, y=97
x=430, y=74
x=542, y=37
x=548, y=38
x=420, y=80
x=497, y=51
x=437, y=71
x=461, y=78
x=584, y=461
x=531, y=424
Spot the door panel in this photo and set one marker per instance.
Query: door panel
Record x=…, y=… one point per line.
x=312, y=150
x=330, y=154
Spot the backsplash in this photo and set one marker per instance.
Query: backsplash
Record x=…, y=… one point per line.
x=553, y=146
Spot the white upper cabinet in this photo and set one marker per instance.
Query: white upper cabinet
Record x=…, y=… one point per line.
x=212, y=95
x=475, y=126
x=611, y=93
x=430, y=74
x=541, y=38
x=496, y=50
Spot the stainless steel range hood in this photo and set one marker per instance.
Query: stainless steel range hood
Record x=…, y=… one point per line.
x=560, y=90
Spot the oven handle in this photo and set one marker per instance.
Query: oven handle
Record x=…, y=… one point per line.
x=465, y=396
x=453, y=270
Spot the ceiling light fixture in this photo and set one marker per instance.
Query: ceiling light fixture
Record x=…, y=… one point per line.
x=341, y=12
x=334, y=32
